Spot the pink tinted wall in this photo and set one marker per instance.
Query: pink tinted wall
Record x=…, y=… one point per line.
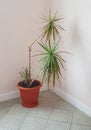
x=19, y=26
x=76, y=40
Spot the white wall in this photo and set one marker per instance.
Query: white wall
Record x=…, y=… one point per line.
x=77, y=40
x=19, y=26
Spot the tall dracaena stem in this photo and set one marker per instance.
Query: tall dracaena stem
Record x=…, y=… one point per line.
x=49, y=42
x=30, y=50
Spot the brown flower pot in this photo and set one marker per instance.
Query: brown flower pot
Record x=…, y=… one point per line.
x=29, y=96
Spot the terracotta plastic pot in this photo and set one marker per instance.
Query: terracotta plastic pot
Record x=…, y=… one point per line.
x=29, y=96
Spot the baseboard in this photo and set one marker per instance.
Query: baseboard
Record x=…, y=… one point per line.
x=15, y=94
x=75, y=102
x=9, y=95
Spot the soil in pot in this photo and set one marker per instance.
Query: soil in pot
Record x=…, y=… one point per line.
x=23, y=84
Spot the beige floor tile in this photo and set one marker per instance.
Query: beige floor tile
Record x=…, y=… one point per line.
x=50, y=95
x=6, y=106
x=3, y=112
x=61, y=115
x=44, y=100
x=4, y=128
x=34, y=124
x=80, y=127
x=9, y=103
x=51, y=125
x=15, y=117
x=61, y=104
x=41, y=111
x=81, y=118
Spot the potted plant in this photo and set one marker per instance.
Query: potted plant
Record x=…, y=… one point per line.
x=51, y=62
x=29, y=88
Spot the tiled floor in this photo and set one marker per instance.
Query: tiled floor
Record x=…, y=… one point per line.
x=53, y=113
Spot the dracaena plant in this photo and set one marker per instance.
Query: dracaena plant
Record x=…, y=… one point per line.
x=51, y=29
x=52, y=62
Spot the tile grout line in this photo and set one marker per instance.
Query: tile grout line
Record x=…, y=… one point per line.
x=80, y=124
x=48, y=120
x=71, y=122
x=6, y=113
x=18, y=128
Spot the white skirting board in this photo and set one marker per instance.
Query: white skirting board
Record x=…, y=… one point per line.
x=9, y=95
x=15, y=94
x=75, y=102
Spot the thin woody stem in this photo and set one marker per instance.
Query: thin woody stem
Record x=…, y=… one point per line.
x=30, y=49
x=29, y=64
x=34, y=41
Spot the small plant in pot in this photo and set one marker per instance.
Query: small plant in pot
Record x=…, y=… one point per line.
x=29, y=88
x=51, y=62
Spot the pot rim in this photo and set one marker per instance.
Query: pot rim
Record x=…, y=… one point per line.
x=20, y=87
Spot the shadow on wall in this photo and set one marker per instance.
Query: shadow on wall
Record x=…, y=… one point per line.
x=79, y=45
x=76, y=35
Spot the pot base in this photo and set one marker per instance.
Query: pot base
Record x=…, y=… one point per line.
x=30, y=106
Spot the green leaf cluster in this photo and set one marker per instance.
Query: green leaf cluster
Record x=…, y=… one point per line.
x=25, y=75
x=51, y=29
x=52, y=63
x=51, y=60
